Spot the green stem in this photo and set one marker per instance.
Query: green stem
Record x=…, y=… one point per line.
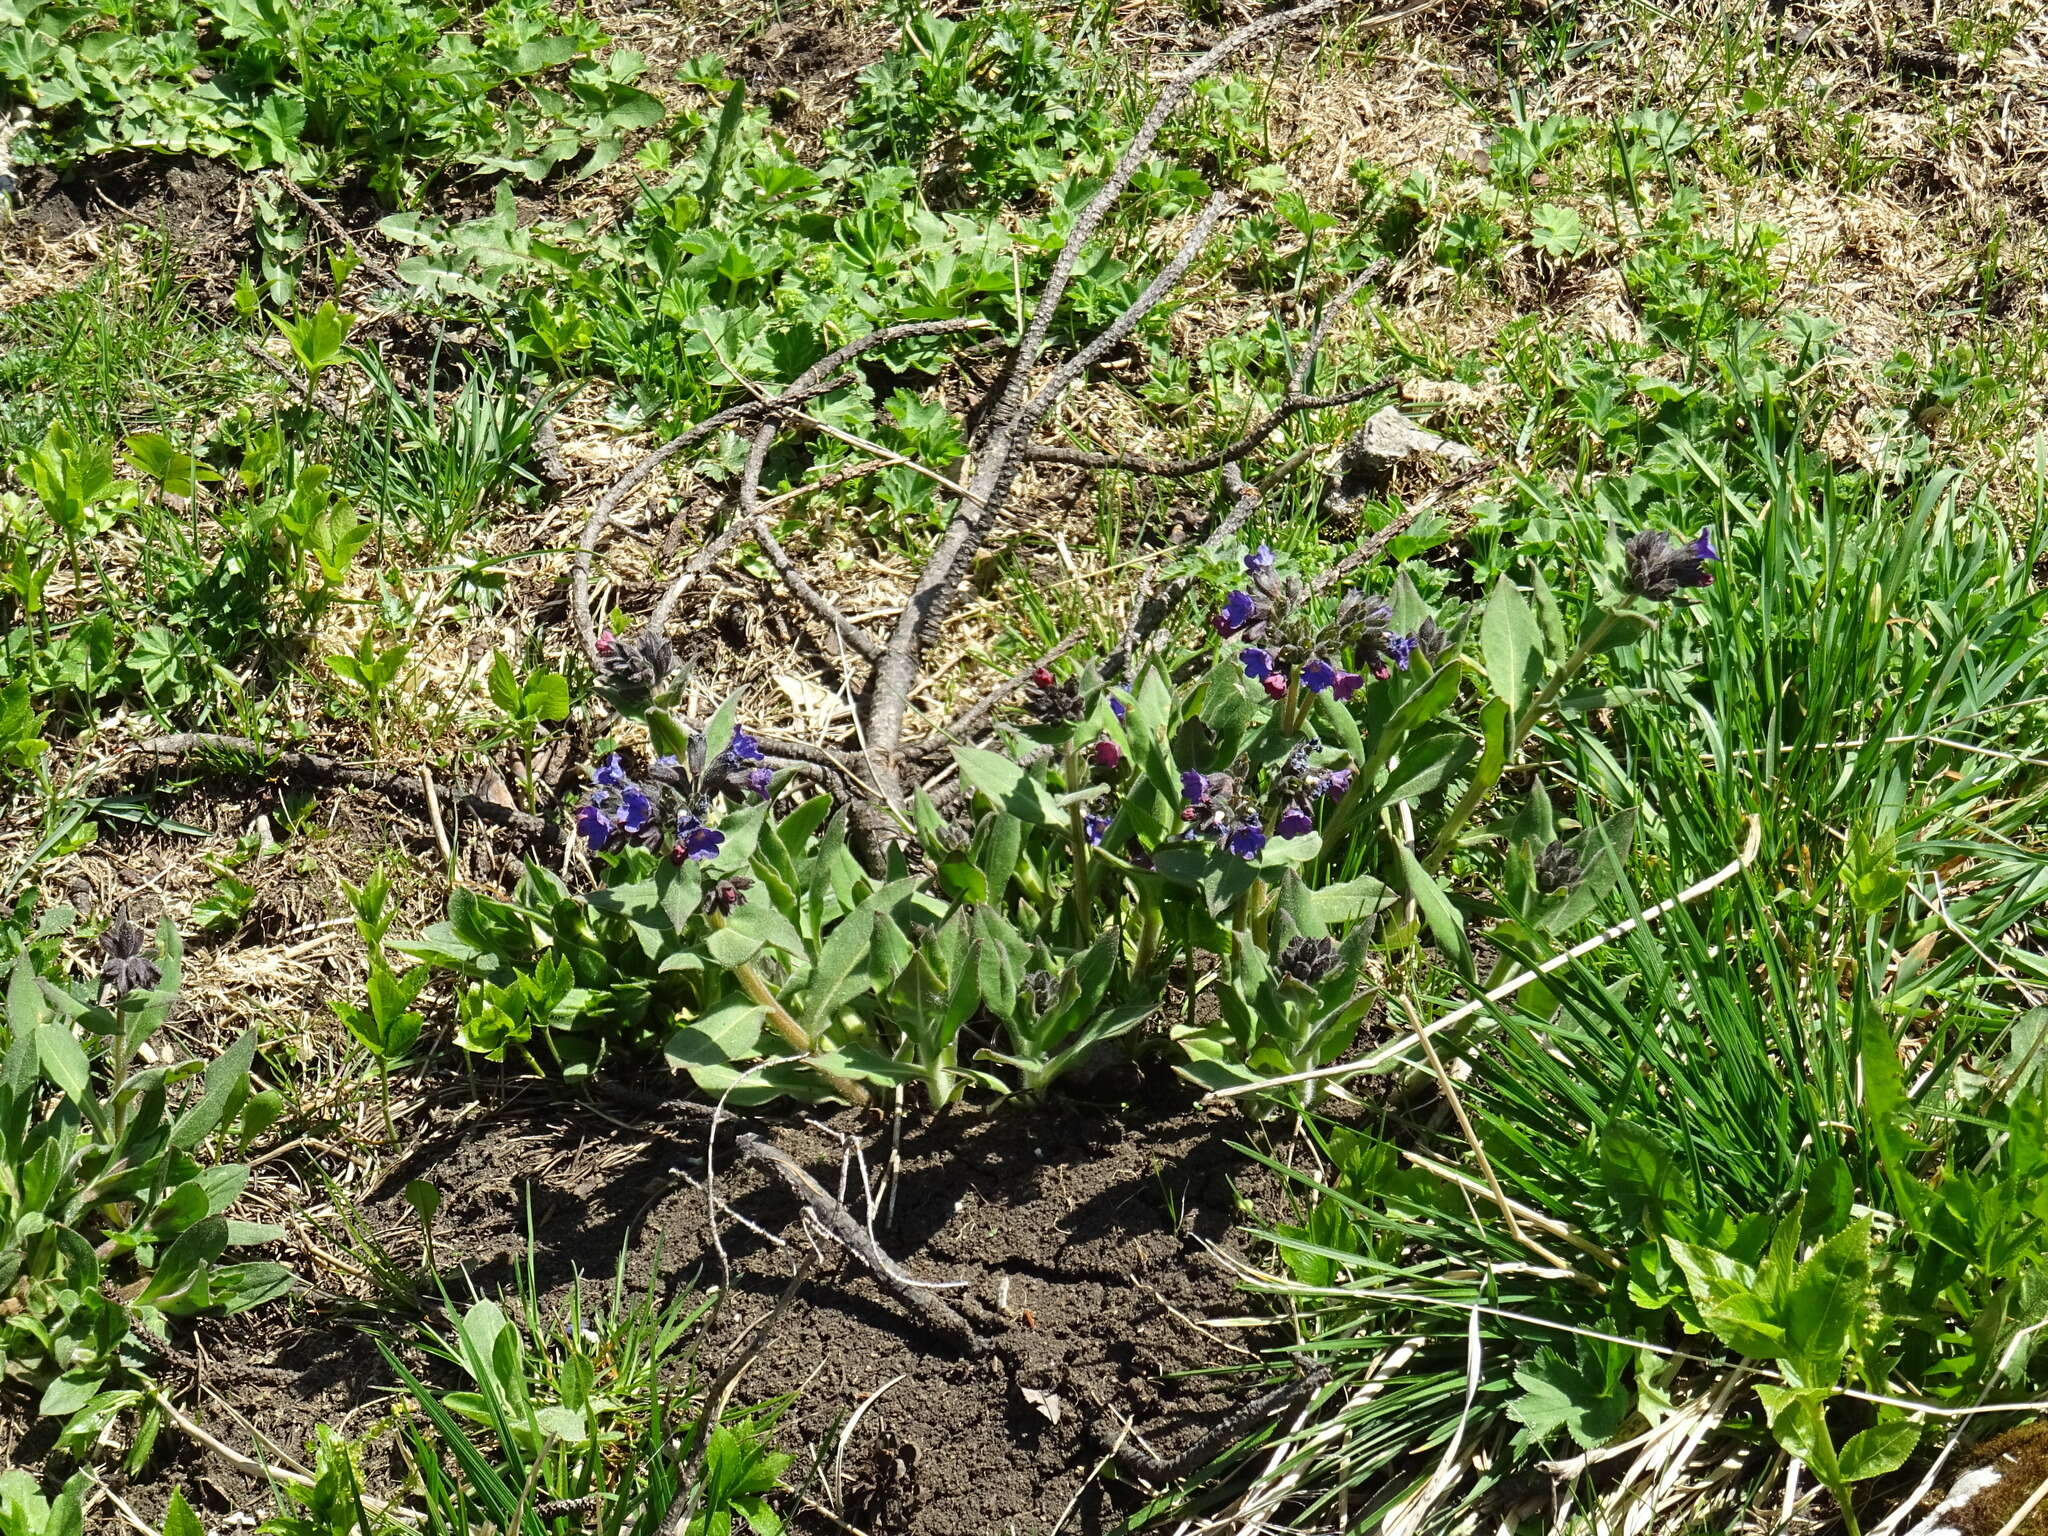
x=1518, y=731
x=756, y=987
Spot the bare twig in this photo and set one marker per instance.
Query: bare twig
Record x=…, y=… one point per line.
x=403, y=788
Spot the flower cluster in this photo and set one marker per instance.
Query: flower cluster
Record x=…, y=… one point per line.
x=634, y=666
x=1224, y=807
x=1659, y=567
x=1286, y=649
x=670, y=805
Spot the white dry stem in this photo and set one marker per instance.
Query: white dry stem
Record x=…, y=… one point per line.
x=852, y=1423
x=1396, y=1051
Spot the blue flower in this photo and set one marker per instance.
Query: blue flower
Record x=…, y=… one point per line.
x=635, y=808
x=1319, y=675
x=694, y=840
x=1094, y=826
x=1257, y=662
x=1246, y=841
x=1401, y=647
x=594, y=826
x=1702, y=548
x=1119, y=708
x=1237, y=611
x=1195, y=787
x=743, y=748
x=1259, y=560
x=760, y=780
x=1294, y=822
x=1335, y=782
x=610, y=774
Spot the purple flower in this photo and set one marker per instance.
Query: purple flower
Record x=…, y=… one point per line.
x=1318, y=675
x=1195, y=787
x=1702, y=548
x=1259, y=560
x=1347, y=684
x=1294, y=822
x=635, y=808
x=1119, y=708
x=1275, y=685
x=1335, y=782
x=743, y=748
x=1093, y=827
x=694, y=840
x=1237, y=611
x=1401, y=647
x=760, y=779
x=1246, y=841
x=594, y=826
x=1257, y=662
x=1105, y=753
x=610, y=774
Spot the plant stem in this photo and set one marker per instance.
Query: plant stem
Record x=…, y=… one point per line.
x=1518, y=731
x=756, y=987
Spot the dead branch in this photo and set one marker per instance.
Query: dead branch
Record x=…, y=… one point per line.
x=404, y=788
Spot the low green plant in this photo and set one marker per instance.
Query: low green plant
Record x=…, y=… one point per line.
x=398, y=92
x=540, y=698
x=109, y=1223
x=25, y=1512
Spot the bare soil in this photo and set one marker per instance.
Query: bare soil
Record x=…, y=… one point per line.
x=1083, y=1227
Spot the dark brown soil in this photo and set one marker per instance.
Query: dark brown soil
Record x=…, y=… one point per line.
x=1083, y=1227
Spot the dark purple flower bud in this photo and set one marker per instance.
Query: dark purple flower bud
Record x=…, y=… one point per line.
x=1401, y=647
x=609, y=773
x=1318, y=675
x=1259, y=561
x=727, y=894
x=635, y=808
x=1659, y=567
x=126, y=967
x=1294, y=822
x=1119, y=708
x=634, y=667
x=1246, y=841
x=1093, y=827
x=1557, y=867
x=1237, y=611
x=1195, y=787
x=1308, y=961
x=1105, y=753
x=1257, y=662
x=760, y=780
x=1275, y=685
x=593, y=826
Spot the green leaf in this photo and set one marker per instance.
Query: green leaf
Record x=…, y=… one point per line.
x=1511, y=644
x=224, y=1075
x=1829, y=1293
x=1446, y=927
x=1007, y=786
x=1878, y=1451
x=1573, y=1395
x=64, y=1063
x=68, y=1393
x=179, y=1519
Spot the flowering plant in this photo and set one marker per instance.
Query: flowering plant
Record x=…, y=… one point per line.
x=1248, y=835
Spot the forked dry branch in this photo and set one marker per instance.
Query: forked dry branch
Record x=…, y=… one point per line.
x=879, y=765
